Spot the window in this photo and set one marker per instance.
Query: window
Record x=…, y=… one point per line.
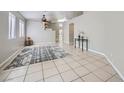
x=21, y=28
x=12, y=23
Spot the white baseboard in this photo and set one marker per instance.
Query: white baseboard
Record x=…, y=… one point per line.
x=115, y=68
x=9, y=59
x=96, y=52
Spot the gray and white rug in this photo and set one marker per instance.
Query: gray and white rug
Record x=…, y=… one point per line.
x=36, y=55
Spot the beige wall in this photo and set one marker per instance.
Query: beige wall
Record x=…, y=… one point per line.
x=38, y=34
x=9, y=46
x=105, y=31
x=55, y=27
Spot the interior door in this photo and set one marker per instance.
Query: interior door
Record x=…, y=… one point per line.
x=71, y=33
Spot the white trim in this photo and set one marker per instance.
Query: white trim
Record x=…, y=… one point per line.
x=96, y=52
x=9, y=59
x=115, y=68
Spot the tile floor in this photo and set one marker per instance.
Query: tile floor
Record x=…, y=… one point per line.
x=77, y=67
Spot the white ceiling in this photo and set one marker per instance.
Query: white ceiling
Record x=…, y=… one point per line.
x=52, y=16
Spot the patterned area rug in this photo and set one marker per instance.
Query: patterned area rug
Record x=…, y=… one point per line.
x=36, y=55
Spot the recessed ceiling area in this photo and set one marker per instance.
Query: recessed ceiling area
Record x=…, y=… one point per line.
x=52, y=16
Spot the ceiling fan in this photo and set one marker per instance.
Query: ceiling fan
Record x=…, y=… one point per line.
x=45, y=22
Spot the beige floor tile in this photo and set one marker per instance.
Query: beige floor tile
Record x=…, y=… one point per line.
x=58, y=60
x=36, y=64
x=78, y=80
x=47, y=62
x=91, y=67
x=74, y=64
x=35, y=68
x=17, y=73
x=99, y=64
x=4, y=74
x=18, y=79
x=91, y=78
x=109, y=69
x=59, y=63
x=98, y=57
x=83, y=62
x=56, y=78
x=103, y=60
x=83, y=56
x=40, y=80
x=63, y=68
x=91, y=59
x=48, y=65
x=34, y=77
x=89, y=54
x=102, y=74
x=50, y=72
x=81, y=71
x=77, y=58
x=114, y=79
x=69, y=76
x=68, y=60
x=22, y=67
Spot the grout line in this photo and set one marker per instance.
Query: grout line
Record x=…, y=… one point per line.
x=92, y=71
x=107, y=71
x=112, y=77
x=95, y=66
x=109, y=78
x=78, y=78
x=52, y=76
x=7, y=76
x=26, y=73
x=43, y=72
x=98, y=60
x=88, y=56
x=74, y=71
x=15, y=77
x=98, y=77
x=110, y=62
x=58, y=71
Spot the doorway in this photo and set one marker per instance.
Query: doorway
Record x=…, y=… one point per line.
x=60, y=36
x=71, y=33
